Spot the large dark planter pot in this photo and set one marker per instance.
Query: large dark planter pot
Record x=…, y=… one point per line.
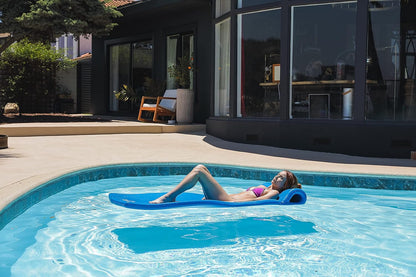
x=3, y=141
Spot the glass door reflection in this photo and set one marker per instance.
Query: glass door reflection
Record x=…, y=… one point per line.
x=323, y=60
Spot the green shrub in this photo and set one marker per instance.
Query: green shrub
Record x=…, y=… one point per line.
x=28, y=75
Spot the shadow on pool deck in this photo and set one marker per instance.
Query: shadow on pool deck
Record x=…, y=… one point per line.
x=307, y=155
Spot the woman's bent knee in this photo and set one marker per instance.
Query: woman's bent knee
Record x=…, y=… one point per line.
x=201, y=167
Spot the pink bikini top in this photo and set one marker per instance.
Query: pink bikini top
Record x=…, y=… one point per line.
x=257, y=191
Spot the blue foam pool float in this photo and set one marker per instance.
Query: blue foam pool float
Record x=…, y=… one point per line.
x=141, y=201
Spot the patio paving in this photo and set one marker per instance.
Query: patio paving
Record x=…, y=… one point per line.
x=32, y=160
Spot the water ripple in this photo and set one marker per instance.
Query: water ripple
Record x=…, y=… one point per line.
x=349, y=235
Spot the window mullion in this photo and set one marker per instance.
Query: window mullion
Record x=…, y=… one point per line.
x=360, y=61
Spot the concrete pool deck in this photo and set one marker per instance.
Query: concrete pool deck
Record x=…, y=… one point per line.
x=39, y=152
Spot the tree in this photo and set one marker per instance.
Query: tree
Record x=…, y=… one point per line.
x=45, y=20
x=28, y=75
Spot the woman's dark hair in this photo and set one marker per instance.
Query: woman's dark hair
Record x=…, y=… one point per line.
x=291, y=181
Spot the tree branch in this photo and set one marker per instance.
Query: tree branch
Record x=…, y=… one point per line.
x=9, y=41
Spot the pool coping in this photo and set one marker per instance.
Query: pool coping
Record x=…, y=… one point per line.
x=42, y=187
x=95, y=128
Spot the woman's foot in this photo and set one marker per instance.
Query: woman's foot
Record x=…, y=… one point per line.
x=163, y=199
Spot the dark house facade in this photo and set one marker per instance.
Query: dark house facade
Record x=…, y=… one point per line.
x=150, y=37
x=331, y=76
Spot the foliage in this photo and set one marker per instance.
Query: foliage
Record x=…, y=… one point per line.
x=45, y=20
x=154, y=87
x=126, y=94
x=28, y=75
x=151, y=88
x=181, y=71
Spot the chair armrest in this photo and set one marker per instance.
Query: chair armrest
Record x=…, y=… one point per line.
x=160, y=98
x=148, y=97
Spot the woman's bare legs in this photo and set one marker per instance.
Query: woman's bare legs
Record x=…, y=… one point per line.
x=212, y=189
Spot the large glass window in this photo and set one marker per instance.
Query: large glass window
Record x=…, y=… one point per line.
x=142, y=60
x=222, y=69
x=391, y=75
x=178, y=46
x=222, y=7
x=322, y=68
x=67, y=45
x=119, y=71
x=258, y=66
x=130, y=64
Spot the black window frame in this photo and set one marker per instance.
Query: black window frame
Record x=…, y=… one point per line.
x=358, y=109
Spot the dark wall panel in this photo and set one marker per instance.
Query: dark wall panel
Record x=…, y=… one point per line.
x=373, y=139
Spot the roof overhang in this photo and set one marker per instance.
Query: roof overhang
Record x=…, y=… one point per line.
x=149, y=8
x=86, y=56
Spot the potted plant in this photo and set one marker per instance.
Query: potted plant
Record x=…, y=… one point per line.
x=151, y=87
x=181, y=72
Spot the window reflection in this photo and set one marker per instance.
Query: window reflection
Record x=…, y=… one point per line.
x=222, y=69
x=323, y=60
x=391, y=60
x=222, y=7
x=130, y=64
x=178, y=46
x=259, y=57
x=119, y=71
x=142, y=63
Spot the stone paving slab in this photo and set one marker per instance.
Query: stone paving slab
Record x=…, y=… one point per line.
x=93, y=128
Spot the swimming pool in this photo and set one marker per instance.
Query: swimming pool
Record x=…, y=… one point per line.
x=339, y=231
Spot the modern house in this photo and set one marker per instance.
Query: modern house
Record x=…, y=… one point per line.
x=75, y=83
x=332, y=76
x=149, y=38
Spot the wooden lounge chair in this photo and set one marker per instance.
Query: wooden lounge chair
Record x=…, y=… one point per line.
x=164, y=107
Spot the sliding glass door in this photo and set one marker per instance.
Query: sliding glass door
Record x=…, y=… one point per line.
x=130, y=64
x=178, y=46
x=391, y=63
x=323, y=60
x=222, y=68
x=258, y=64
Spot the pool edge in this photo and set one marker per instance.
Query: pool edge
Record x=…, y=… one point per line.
x=35, y=188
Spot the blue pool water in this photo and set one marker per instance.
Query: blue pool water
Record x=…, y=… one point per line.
x=338, y=232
